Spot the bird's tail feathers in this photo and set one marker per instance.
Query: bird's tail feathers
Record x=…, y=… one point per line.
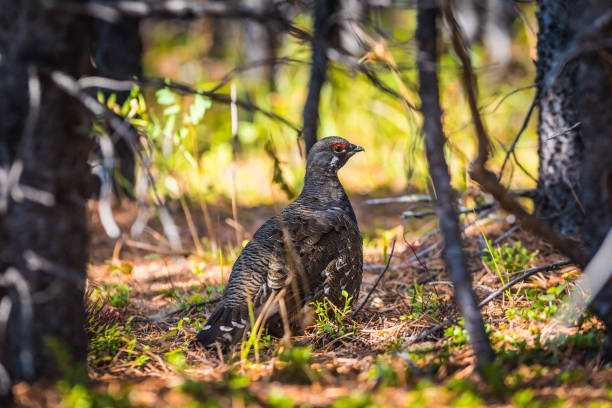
x=225, y=325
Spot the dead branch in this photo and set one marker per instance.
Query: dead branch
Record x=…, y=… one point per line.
x=165, y=316
x=412, y=198
x=487, y=179
x=112, y=12
x=380, y=276
x=438, y=169
x=421, y=214
x=127, y=84
x=512, y=147
x=126, y=131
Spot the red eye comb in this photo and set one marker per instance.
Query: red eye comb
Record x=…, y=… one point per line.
x=342, y=145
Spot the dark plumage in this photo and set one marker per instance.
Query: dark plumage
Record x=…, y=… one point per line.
x=310, y=251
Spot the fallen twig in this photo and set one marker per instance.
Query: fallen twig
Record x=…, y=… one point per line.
x=412, y=198
x=526, y=273
x=186, y=308
x=375, y=283
x=477, y=209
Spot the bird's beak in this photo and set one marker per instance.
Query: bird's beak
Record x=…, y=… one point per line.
x=357, y=149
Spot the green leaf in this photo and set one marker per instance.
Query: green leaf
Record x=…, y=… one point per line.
x=165, y=96
x=198, y=108
x=172, y=110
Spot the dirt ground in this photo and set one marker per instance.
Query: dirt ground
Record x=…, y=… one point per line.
x=371, y=360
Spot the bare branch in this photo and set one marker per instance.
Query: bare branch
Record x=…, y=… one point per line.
x=517, y=137
x=380, y=276
x=114, y=11
x=486, y=178
x=125, y=130
x=438, y=169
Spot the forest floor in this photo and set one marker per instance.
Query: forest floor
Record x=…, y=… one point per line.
x=139, y=357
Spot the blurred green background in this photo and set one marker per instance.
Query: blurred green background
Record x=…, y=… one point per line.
x=191, y=138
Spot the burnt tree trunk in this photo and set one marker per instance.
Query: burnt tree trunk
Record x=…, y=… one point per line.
x=445, y=204
x=593, y=98
x=560, y=143
x=50, y=139
x=117, y=53
x=324, y=27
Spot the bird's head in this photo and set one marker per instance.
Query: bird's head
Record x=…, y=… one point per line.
x=331, y=153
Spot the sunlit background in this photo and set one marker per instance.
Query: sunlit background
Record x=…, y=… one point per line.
x=191, y=138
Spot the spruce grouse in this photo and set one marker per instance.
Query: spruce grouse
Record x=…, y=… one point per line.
x=313, y=250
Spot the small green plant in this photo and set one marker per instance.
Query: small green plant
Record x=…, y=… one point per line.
x=544, y=306
x=331, y=320
x=507, y=258
x=457, y=333
x=105, y=341
x=113, y=294
x=294, y=366
x=421, y=303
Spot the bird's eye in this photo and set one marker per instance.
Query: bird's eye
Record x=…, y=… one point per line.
x=338, y=147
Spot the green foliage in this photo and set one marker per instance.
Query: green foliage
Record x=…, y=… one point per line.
x=354, y=400
x=421, y=303
x=113, y=294
x=543, y=306
x=457, y=333
x=331, y=320
x=278, y=399
x=508, y=258
x=294, y=366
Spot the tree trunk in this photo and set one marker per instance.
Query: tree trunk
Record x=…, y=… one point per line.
x=117, y=53
x=445, y=208
x=593, y=97
x=45, y=297
x=324, y=26
x=560, y=144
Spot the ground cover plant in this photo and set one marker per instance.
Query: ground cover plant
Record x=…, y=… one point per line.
x=347, y=361
x=479, y=199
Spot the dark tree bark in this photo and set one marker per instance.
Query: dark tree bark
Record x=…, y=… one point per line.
x=52, y=142
x=117, y=53
x=324, y=28
x=438, y=169
x=593, y=99
x=560, y=144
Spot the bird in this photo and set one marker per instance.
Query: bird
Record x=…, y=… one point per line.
x=312, y=251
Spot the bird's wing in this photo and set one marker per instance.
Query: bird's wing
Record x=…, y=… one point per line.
x=271, y=262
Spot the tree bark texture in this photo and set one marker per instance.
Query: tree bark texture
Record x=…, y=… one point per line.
x=324, y=28
x=117, y=53
x=593, y=98
x=50, y=139
x=560, y=144
x=438, y=169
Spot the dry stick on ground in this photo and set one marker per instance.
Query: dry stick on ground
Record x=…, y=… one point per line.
x=434, y=145
x=365, y=301
x=525, y=274
x=164, y=316
x=486, y=178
